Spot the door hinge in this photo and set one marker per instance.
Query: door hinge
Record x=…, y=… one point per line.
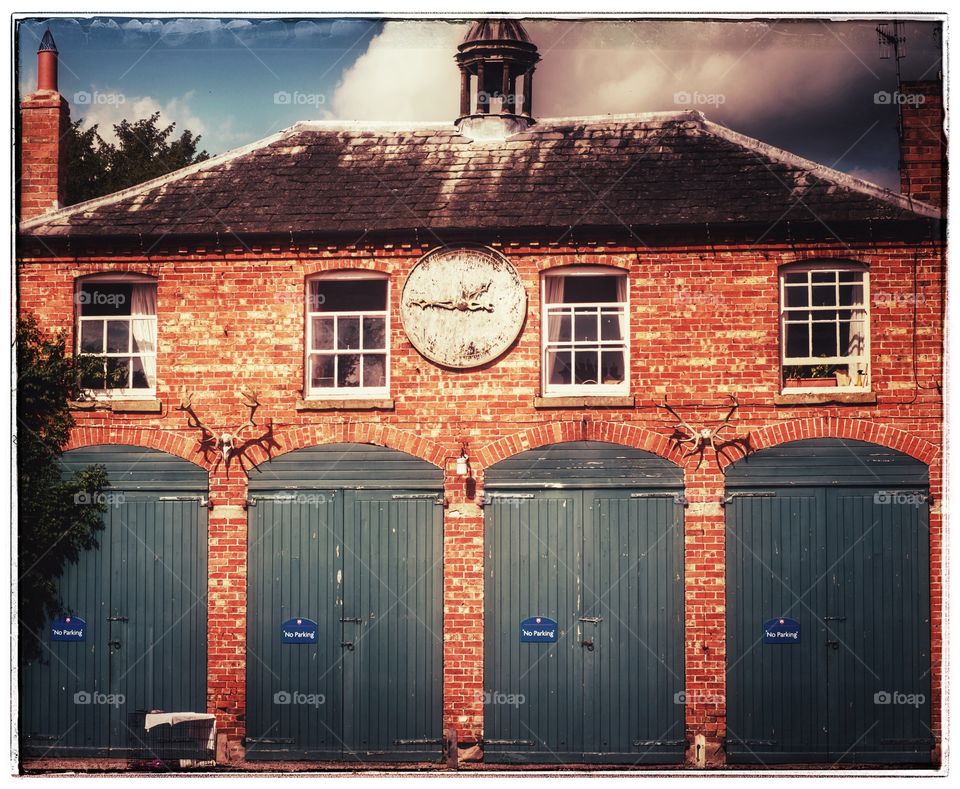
x=741, y=494
x=922, y=741
x=508, y=742
x=437, y=741
x=488, y=498
x=436, y=498
x=268, y=741
x=201, y=500
x=652, y=743
x=678, y=498
x=737, y=741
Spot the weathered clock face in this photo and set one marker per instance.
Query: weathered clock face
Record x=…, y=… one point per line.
x=463, y=307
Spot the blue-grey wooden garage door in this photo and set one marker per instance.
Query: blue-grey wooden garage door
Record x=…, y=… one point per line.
x=590, y=535
x=833, y=535
x=143, y=595
x=349, y=537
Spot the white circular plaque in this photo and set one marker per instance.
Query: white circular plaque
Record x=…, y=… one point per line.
x=463, y=307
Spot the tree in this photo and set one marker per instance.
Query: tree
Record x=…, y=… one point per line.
x=58, y=517
x=143, y=151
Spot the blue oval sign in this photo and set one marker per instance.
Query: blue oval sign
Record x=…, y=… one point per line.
x=298, y=630
x=538, y=630
x=68, y=628
x=781, y=630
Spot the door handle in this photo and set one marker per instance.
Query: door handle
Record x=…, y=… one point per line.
x=833, y=644
x=113, y=644
x=348, y=645
x=587, y=643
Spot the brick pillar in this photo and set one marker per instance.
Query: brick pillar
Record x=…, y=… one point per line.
x=923, y=167
x=463, y=612
x=705, y=614
x=227, y=608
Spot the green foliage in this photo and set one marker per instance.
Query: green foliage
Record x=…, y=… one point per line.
x=57, y=518
x=143, y=151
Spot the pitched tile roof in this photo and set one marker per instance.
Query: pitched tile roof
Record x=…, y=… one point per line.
x=652, y=170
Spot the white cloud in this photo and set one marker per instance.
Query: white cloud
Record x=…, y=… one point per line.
x=407, y=73
x=744, y=71
x=107, y=108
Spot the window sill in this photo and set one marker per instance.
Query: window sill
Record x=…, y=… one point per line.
x=585, y=401
x=147, y=406
x=825, y=397
x=345, y=404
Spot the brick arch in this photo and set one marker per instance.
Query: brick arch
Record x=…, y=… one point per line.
x=557, y=432
x=298, y=437
x=172, y=443
x=835, y=427
x=548, y=264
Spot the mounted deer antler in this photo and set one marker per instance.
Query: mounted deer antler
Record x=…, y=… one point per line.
x=227, y=447
x=705, y=437
x=226, y=443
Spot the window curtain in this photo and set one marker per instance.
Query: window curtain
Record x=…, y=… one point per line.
x=553, y=289
x=144, y=303
x=622, y=298
x=856, y=345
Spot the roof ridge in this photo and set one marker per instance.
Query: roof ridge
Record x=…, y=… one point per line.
x=828, y=173
x=145, y=186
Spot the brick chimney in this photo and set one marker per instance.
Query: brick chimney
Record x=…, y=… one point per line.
x=923, y=166
x=44, y=120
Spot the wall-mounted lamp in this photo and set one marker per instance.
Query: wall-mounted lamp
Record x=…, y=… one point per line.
x=463, y=462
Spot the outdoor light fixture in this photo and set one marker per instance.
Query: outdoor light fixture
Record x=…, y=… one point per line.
x=463, y=462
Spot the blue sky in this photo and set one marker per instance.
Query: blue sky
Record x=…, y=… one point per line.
x=221, y=73
x=807, y=86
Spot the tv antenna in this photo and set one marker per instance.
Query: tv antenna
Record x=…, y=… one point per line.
x=894, y=42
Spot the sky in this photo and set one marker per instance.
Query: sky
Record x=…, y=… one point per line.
x=816, y=88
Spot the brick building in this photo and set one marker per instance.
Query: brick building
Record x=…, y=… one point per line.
x=455, y=344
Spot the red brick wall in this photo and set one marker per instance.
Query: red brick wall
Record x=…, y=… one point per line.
x=923, y=170
x=703, y=323
x=45, y=116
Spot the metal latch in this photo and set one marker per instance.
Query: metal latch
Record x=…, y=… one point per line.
x=348, y=645
x=588, y=643
x=117, y=619
x=596, y=620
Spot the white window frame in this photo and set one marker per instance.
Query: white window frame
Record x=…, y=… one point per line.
x=353, y=392
x=836, y=266
x=574, y=389
x=130, y=278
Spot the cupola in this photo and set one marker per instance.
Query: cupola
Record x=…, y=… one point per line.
x=497, y=62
